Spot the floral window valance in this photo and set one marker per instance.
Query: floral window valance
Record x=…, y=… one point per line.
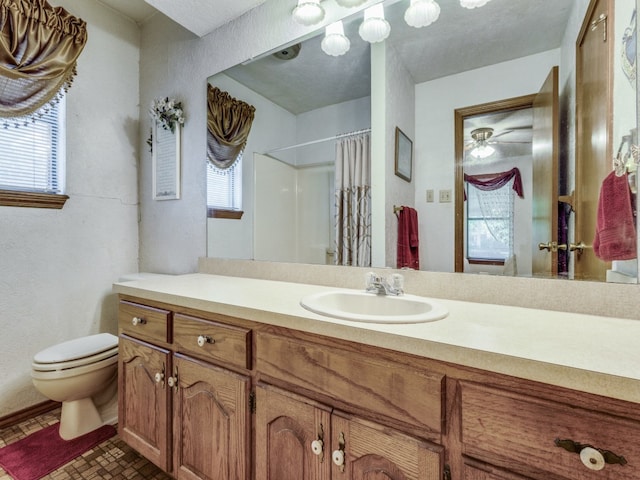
x=494, y=181
x=228, y=125
x=39, y=47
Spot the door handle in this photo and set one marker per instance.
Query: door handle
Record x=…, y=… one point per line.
x=578, y=247
x=552, y=246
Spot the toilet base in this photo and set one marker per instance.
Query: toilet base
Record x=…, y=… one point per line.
x=78, y=417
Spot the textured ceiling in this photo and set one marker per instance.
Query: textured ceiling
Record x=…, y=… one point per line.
x=460, y=40
x=198, y=16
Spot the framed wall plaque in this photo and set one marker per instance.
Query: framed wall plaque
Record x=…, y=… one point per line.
x=166, y=163
x=404, y=155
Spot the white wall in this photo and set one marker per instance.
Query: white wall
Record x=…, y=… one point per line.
x=434, y=146
x=58, y=265
x=400, y=109
x=327, y=122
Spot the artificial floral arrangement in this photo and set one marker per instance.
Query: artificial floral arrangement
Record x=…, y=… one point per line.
x=167, y=112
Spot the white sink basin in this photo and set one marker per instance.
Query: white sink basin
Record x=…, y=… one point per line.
x=372, y=308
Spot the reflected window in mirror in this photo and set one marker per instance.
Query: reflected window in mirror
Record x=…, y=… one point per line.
x=224, y=191
x=229, y=123
x=489, y=225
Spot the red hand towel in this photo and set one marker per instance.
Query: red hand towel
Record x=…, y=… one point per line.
x=408, y=242
x=615, y=227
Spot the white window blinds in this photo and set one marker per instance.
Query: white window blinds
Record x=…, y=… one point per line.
x=224, y=187
x=32, y=154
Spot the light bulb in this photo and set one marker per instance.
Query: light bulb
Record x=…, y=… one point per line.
x=308, y=12
x=335, y=43
x=483, y=151
x=422, y=13
x=473, y=3
x=350, y=3
x=374, y=28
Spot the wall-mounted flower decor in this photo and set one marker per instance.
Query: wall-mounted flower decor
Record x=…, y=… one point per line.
x=167, y=112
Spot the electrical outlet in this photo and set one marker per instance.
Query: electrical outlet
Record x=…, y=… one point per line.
x=430, y=196
x=445, y=196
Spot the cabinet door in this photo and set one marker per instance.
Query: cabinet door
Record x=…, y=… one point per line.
x=292, y=436
x=143, y=400
x=211, y=422
x=363, y=450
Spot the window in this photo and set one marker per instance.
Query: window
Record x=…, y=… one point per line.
x=224, y=191
x=490, y=224
x=32, y=160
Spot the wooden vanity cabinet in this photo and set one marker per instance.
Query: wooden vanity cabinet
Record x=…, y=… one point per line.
x=144, y=401
x=348, y=431
x=523, y=433
x=179, y=403
x=300, y=439
x=205, y=396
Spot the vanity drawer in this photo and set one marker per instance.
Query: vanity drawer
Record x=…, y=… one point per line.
x=520, y=432
x=143, y=322
x=211, y=340
x=365, y=381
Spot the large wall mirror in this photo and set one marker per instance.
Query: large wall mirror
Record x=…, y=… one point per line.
x=447, y=86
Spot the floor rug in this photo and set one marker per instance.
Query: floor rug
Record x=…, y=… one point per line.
x=44, y=451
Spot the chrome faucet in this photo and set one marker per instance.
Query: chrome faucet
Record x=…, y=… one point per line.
x=382, y=286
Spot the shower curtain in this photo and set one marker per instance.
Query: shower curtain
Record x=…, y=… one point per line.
x=353, y=202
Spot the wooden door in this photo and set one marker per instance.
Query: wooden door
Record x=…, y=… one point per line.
x=211, y=422
x=593, y=130
x=368, y=451
x=545, y=141
x=144, y=401
x=287, y=426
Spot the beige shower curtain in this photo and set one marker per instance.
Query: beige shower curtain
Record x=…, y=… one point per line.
x=353, y=201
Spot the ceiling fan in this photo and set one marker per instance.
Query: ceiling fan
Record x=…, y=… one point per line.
x=481, y=145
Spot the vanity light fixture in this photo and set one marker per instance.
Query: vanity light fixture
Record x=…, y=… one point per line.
x=375, y=27
x=350, y=3
x=473, y=3
x=308, y=12
x=422, y=13
x=335, y=42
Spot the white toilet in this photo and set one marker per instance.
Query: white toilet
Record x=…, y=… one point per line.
x=82, y=374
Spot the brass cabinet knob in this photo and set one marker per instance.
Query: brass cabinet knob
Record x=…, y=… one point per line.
x=159, y=377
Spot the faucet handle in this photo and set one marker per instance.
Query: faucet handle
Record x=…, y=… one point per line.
x=370, y=278
x=396, y=282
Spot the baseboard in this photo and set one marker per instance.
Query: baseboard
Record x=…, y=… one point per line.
x=29, y=412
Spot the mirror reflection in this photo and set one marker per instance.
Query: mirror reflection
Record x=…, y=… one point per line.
x=418, y=80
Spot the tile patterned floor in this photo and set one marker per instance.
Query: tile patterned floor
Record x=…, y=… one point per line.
x=112, y=459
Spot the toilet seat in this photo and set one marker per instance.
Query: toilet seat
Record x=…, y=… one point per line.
x=101, y=348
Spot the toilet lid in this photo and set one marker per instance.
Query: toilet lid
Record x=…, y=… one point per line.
x=78, y=348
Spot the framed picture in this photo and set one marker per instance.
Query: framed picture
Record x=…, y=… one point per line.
x=404, y=155
x=166, y=163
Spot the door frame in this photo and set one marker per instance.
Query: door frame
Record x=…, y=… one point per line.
x=515, y=103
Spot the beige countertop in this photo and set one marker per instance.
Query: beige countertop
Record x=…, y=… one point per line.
x=584, y=352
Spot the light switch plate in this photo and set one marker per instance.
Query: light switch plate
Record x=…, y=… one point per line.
x=445, y=196
x=430, y=196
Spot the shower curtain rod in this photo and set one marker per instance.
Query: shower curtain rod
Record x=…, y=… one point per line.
x=335, y=137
